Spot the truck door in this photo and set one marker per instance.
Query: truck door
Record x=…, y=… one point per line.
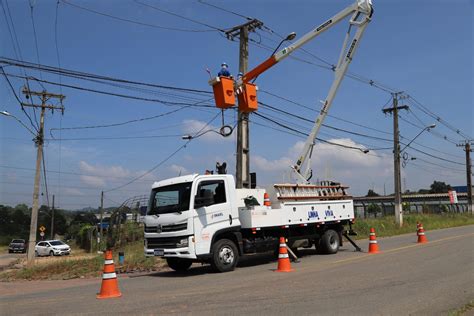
x=212, y=212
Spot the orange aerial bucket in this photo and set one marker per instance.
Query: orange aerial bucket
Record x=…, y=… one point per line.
x=248, y=98
x=223, y=88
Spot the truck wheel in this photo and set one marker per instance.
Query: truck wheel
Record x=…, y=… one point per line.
x=329, y=242
x=224, y=256
x=178, y=264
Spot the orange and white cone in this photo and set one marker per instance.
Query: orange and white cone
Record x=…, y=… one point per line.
x=109, y=287
x=421, y=234
x=266, y=200
x=283, y=258
x=373, y=245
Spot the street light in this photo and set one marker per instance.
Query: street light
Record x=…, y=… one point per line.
x=427, y=128
x=18, y=120
x=289, y=37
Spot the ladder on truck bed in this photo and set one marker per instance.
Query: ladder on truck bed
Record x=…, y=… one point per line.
x=325, y=190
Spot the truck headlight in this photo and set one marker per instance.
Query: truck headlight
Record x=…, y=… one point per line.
x=183, y=242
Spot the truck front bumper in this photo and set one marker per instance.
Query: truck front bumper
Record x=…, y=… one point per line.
x=154, y=249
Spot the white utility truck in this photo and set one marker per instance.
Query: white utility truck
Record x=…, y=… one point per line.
x=204, y=218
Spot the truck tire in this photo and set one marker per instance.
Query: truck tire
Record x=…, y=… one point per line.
x=224, y=256
x=178, y=264
x=329, y=242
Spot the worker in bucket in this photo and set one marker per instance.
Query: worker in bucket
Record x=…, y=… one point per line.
x=224, y=71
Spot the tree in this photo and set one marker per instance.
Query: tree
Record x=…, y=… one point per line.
x=372, y=193
x=439, y=187
x=374, y=209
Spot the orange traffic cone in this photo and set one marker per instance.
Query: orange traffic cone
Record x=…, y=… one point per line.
x=421, y=234
x=283, y=259
x=109, y=288
x=373, y=246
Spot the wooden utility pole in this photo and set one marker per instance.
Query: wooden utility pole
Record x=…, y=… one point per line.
x=396, y=157
x=468, y=150
x=242, y=169
x=52, y=220
x=44, y=96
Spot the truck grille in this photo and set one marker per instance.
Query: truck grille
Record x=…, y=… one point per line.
x=163, y=243
x=167, y=228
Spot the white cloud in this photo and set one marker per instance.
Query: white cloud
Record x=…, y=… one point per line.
x=93, y=181
x=351, y=167
x=99, y=175
x=73, y=191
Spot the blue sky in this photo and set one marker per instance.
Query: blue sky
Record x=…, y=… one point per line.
x=421, y=47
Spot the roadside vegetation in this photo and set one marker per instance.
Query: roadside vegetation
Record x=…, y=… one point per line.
x=84, y=265
x=463, y=310
x=386, y=226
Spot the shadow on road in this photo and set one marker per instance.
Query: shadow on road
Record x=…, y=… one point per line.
x=245, y=261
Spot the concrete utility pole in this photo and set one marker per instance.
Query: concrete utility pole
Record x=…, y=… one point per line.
x=44, y=96
x=242, y=170
x=468, y=150
x=52, y=220
x=101, y=215
x=396, y=157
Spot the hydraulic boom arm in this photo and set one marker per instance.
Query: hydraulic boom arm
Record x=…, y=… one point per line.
x=361, y=12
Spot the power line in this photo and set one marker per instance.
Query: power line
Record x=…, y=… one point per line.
x=166, y=159
x=225, y=10
x=45, y=180
x=325, y=125
x=18, y=54
x=305, y=134
x=438, y=118
x=164, y=102
x=329, y=115
x=14, y=44
x=70, y=173
x=35, y=36
x=423, y=125
x=215, y=28
x=444, y=167
x=18, y=99
x=134, y=21
x=118, y=124
x=65, y=187
x=74, y=73
x=56, y=44
x=115, y=137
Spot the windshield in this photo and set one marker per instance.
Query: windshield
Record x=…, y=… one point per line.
x=170, y=199
x=18, y=241
x=56, y=243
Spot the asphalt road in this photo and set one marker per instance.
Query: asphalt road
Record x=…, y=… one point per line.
x=406, y=278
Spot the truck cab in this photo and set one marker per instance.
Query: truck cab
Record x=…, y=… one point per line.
x=186, y=217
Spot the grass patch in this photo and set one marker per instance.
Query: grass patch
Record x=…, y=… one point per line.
x=463, y=310
x=57, y=270
x=135, y=258
x=70, y=268
x=386, y=226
